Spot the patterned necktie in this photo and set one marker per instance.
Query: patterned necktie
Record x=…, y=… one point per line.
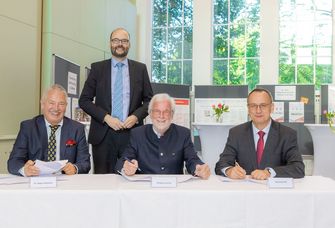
x=117, y=103
x=260, y=146
x=52, y=143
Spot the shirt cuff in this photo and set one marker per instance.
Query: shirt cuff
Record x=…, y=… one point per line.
x=271, y=171
x=76, y=168
x=225, y=169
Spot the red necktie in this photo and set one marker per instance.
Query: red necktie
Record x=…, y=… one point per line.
x=260, y=146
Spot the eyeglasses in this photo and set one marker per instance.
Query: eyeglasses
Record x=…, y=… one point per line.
x=254, y=107
x=117, y=41
x=165, y=113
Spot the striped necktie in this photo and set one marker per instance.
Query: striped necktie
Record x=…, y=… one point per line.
x=117, y=103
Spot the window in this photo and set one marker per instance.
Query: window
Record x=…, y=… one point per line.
x=236, y=42
x=172, y=41
x=305, y=54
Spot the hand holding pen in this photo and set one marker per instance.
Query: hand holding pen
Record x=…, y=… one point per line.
x=236, y=172
x=130, y=166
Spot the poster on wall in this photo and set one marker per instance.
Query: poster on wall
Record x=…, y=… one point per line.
x=237, y=114
x=278, y=111
x=331, y=98
x=296, y=112
x=285, y=93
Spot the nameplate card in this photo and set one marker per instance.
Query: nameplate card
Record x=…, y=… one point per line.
x=280, y=182
x=43, y=182
x=163, y=182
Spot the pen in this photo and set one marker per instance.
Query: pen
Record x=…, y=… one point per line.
x=236, y=164
x=138, y=168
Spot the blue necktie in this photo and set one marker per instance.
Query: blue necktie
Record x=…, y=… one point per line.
x=117, y=102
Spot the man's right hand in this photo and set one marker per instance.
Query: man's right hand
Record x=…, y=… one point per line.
x=236, y=172
x=113, y=123
x=30, y=169
x=130, y=168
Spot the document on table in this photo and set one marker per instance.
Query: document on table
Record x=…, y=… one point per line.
x=52, y=167
x=142, y=177
x=247, y=179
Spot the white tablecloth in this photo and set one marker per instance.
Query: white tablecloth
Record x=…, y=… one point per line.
x=111, y=201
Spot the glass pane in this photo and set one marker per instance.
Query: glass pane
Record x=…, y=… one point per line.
x=159, y=13
x=305, y=74
x=175, y=13
x=252, y=40
x=323, y=74
x=220, y=72
x=252, y=73
x=220, y=41
x=220, y=11
x=287, y=10
x=174, y=72
x=158, y=44
x=323, y=9
x=188, y=42
x=158, y=71
x=323, y=34
x=236, y=71
x=236, y=10
x=251, y=11
x=187, y=72
x=237, y=40
x=188, y=12
x=175, y=40
x=286, y=73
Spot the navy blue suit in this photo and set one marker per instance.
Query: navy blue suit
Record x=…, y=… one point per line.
x=164, y=155
x=32, y=143
x=280, y=151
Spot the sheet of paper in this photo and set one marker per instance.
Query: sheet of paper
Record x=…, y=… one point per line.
x=247, y=179
x=47, y=168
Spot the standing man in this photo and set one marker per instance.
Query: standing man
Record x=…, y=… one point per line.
x=161, y=147
x=261, y=147
x=122, y=91
x=50, y=137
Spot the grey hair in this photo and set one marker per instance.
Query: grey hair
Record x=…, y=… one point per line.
x=53, y=87
x=162, y=97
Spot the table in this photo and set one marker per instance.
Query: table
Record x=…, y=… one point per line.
x=213, y=137
x=82, y=201
x=324, y=144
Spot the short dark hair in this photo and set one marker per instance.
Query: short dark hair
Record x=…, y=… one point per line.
x=260, y=89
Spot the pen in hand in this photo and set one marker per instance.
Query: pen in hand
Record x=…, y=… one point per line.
x=138, y=168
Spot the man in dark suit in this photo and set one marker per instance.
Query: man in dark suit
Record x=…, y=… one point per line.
x=161, y=147
x=122, y=91
x=37, y=136
x=262, y=147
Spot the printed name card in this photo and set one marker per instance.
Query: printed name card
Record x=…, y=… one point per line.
x=43, y=182
x=163, y=182
x=280, y=182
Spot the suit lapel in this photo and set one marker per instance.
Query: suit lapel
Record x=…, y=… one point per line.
x=108, y=84
x=43, y=136
x=132, y=77
x=270, y=143
x=251, y=146
x=63, y=137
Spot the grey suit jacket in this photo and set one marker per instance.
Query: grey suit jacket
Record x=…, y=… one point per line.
x=98, y=86
x=280, y=151
x=32, y=143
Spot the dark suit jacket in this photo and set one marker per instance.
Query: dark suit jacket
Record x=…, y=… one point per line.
x=32, y=143
x=98, y=86
x=165, y=155
x=280, y=151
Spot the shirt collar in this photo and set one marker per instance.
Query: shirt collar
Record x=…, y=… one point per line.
x=265, y=130
x=114, y=62
x=47, y=124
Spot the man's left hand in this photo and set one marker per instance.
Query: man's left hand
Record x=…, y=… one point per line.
x=130, y=121
x=259, y=174
x=69, y=169
x=202, y=171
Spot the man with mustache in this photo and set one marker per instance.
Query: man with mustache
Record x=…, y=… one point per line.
x=116, y=95
x=49, y=137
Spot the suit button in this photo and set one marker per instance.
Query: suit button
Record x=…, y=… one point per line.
x=162, y=168
x=173, y=154
x=161, y=154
